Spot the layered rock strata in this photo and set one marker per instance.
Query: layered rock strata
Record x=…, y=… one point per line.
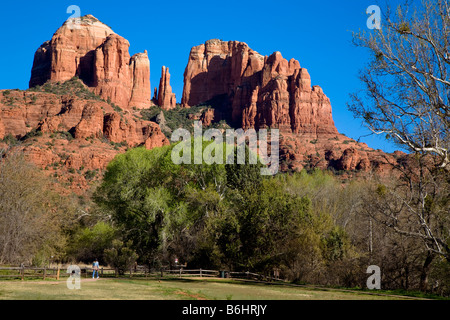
x=92, y=51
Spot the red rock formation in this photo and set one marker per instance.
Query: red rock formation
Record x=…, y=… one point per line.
x=250, y=90
x=99, y=57
x=69, y=52
x=258, y=91
x=166, y=99
x=140, y=74
x=2, y=129
x=71, y=132
x=207, y=117
x=118, y=129
x=154, y=138
x=253, y=91
x=155, y=96
x=351, y=159
x=83, y=118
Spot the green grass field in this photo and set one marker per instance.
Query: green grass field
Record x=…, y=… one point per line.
x=173, y=289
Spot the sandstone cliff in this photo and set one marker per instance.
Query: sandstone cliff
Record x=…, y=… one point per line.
x=256, y=91
x=69, y=136
x=98, y=56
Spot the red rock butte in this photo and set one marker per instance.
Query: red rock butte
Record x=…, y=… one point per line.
x=250, y=90
x=91, y=50
x=257, y=91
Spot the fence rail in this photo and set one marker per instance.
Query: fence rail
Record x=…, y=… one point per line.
x=87, y=272
x=193, y=273
x=29, y=272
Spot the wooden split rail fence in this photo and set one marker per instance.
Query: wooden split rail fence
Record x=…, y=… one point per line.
x=86, y=272
x=29, y=272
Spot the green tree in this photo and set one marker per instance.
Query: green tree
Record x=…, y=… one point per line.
x=120, y=256
x=269, y=218
x=150, y=196
x=89, y=243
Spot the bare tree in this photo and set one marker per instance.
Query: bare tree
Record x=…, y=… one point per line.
x=407, y=83
x=406, y=98
x=31, y=216
x=415, y=206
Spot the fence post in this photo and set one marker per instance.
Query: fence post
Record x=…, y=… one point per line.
x=131, y=271
x=57, y=274
x=45, y=272
x=102, y=272
x=201, y=274
x=22, y=272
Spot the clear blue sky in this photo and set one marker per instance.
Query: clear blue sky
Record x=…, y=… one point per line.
x=316, y=33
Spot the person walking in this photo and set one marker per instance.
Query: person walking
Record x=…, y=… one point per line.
x=95, y=266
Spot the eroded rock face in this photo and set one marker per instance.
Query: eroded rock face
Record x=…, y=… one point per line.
x=79, y=135
x=351, y=159
x=166, y=99
x=98, y=56
x=256, y=91
x=140, y=73
x=48, y=113
x=299, y=151
x=70, y=52
x=207, y=117
x=2, y=130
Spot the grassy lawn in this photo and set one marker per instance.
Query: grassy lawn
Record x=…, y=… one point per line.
x=169, y=289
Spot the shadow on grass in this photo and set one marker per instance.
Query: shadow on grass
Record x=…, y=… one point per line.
x=244, y=282
x=253, y=283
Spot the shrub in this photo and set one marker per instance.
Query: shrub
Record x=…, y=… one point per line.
x=73, y=86
x=117, y=108
x=89, y=175
x=10, y=140
x=90, y=243
x=65, y=135
x=121, y=257
x=31, y=134
x=178, y=117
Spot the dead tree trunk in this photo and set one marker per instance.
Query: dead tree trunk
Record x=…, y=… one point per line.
x=425, y=271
